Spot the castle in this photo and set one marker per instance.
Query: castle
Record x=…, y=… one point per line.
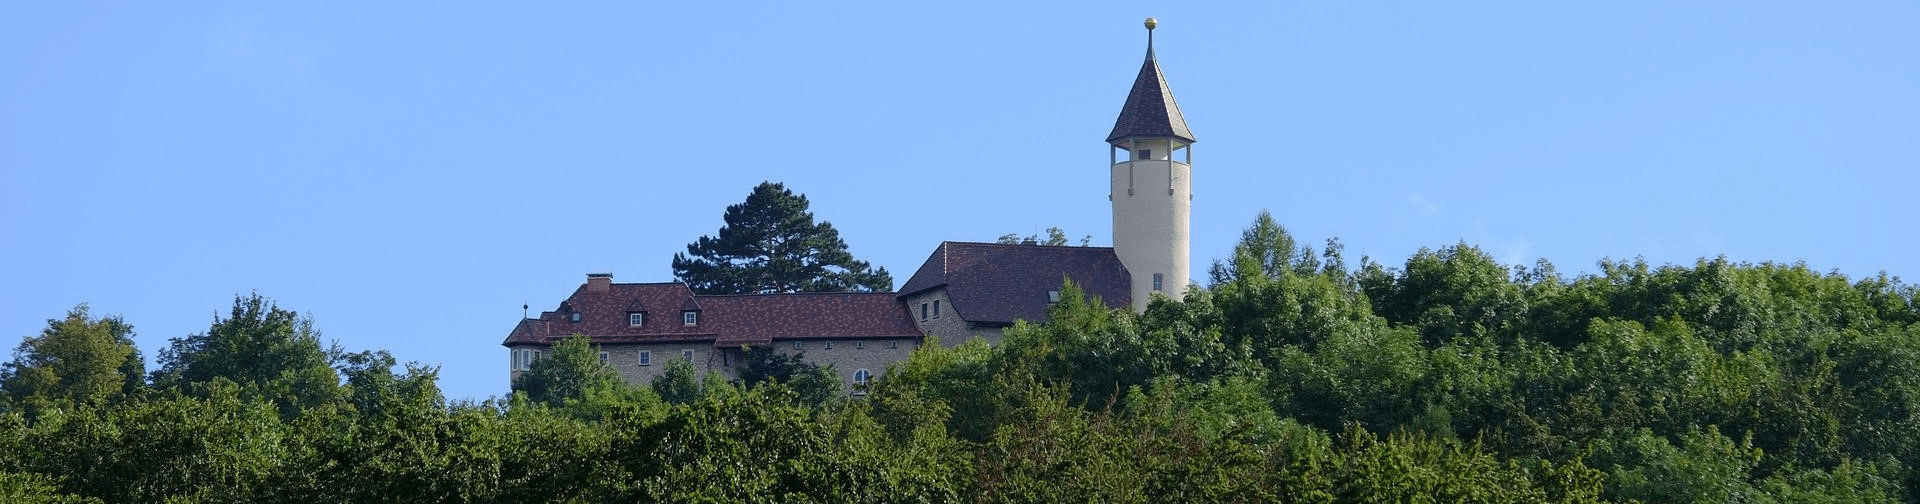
x=963, y=290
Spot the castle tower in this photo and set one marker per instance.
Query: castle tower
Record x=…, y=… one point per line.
x=1152, y=187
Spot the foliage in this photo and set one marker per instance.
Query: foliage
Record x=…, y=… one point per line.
x=678, y=384
x=569, y=371
x=1056, y=237
x=76, y=361
x=769, y=244
x=268, y=352
x=1450, y=377
x=815, y=385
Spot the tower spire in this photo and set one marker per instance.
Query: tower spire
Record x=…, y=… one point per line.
x=1151, y=24
x=1150, y=109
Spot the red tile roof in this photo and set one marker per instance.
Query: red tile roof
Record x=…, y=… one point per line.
x=991, y=282
x=725, y=320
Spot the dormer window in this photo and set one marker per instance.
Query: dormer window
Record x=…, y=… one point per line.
x=636, y=319
x=574, y=317
x=689, y=318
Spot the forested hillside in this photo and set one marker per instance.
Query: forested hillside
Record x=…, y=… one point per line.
x=1292, y=377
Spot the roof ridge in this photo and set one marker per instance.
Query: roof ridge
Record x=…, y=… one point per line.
x=771, y=294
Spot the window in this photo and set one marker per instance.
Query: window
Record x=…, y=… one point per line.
x=936, y=308
x=796, y=345
x=636, y=319
x=1146, y=154
x=827, y=346
x=536, y=356
x=1156, y=281
x=687, y=354
x=1053, y=296
x=689, y=318
x=893, y=344
x=862, y=377
x=859, y=345
x=603, y=358
x=513, y=359
x=574, y=317
x=923, y=311
x=646, y=357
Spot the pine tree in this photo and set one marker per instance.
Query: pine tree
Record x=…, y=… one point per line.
x=771, y=244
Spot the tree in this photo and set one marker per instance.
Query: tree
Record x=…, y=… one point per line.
x=268, y=351
x=771, y=244
x=1056, y=237
x=569, y=372
x=1265, y=248
x=679, y=384
x=76, y=361
x=813, y=384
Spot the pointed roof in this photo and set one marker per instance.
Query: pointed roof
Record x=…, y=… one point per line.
x=1150, y=110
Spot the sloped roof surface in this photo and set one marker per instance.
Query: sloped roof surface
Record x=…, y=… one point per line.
x=725, y=320
x=1150, y=109
x=759, y=318
x=991, y=282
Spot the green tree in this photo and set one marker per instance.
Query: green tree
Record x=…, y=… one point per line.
x=269, y=352
x=679, y=384
x=1056, y=237
x=34, y=488
x=771, y=244
x=814, y=384
x=79, y=360
x=568, y=372
x=1266, y=249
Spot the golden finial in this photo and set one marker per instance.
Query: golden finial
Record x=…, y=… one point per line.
x=1152, y=23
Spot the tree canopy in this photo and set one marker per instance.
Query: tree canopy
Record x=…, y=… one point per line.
x=1445, y=378
x=79, y=360
x=1055, y=237
x=771, y=244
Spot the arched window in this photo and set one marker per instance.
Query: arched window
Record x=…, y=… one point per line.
x=862, y=376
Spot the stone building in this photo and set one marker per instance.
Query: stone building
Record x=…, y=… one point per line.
x=963, y=290
x=637, y=327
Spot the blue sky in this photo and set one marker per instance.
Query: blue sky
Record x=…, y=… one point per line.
x=411, y=173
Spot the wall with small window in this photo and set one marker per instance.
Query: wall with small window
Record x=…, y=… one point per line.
x=638, y=363
x=948, y=321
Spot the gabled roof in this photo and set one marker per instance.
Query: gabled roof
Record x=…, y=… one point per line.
x=998, y=283
x=1150, y=110
x=725, y=321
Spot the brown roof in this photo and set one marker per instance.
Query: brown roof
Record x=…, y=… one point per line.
x=761, y=318
x=724, y=320
x=991, y=282
x=1150, y=110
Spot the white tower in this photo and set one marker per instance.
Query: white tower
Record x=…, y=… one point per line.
x=1152, y=189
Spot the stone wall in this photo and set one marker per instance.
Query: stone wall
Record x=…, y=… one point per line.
x=950, y=325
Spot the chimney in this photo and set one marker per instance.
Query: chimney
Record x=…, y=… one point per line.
x=599, y=282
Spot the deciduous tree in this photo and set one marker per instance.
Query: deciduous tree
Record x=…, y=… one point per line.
x=79, y=360
x=269, y=352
